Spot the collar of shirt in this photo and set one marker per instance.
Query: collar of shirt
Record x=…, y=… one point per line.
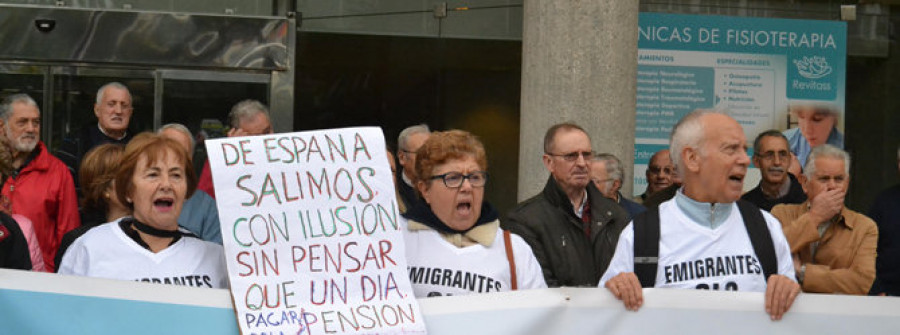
x=406, y=180
x=579, y=212
x=107, y=134
x=711, y=215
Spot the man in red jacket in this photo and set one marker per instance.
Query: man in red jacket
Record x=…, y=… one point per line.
x=41, y=187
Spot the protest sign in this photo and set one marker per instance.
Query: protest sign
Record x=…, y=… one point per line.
x=312, y=234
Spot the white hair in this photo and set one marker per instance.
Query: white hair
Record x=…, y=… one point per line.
x=244, y=110
x=688, y=132
x=822, y=151
x=613, y=166
x=102, y=90
x=6, y=105
x=178, y=127
x=410, y=131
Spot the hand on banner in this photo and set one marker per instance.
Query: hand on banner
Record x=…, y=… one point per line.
x=780, y=294
x=626, y=287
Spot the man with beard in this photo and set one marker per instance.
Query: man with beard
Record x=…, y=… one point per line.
x=571, y=227
x=113, y=111
x=41, y=187
x=773, y=158
x=659, y=174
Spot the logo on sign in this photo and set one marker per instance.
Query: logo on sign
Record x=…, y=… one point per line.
x=814, y=67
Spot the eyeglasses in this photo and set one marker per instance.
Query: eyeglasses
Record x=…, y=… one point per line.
x=657, y=169
x=573, y=156
x=455, y=179
x=770, y=155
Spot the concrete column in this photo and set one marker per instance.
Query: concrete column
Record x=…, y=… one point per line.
x=579, y=64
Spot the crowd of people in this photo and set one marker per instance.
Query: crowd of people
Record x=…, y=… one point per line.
x=114, y=204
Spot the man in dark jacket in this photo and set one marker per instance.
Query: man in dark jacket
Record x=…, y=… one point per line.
x=113, y=111
x=571, y=227
x=772, y=156
x=409, y=141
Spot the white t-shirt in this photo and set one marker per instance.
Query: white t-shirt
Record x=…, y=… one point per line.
x=106, y=252
x=438, y=268
x=693, y=256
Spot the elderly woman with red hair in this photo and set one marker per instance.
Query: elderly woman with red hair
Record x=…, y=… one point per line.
x=155, y=178
x=454, y=244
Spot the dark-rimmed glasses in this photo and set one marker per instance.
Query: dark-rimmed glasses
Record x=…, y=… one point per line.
x=455, y=179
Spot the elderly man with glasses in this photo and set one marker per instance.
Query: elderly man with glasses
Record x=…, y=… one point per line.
x=773, y=158
x=571, y=227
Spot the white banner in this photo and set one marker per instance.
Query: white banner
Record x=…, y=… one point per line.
x=312, y=233
x=42, y=303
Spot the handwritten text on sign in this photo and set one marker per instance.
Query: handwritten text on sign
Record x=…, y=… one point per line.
x=312, y=233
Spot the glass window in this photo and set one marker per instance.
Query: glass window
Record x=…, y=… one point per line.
x=202, y=105
x=75, y=92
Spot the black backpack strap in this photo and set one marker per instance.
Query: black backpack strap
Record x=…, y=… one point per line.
x=646, y=246
x=760, y=237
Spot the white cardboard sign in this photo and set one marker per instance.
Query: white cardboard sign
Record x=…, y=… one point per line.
x=312, y=233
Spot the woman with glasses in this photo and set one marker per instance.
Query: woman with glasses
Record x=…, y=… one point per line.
x=454, y=244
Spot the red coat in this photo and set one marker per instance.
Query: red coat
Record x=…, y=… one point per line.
x=43, y=191
x=205, y=182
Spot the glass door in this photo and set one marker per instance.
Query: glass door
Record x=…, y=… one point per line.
x=75, y=92
x=201, y=100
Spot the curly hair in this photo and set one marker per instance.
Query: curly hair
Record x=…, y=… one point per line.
x=444, y=146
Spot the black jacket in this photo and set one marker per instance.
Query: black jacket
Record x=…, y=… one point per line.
x=795, y=195
x=548, y=223
x=75, y=146
x=14, y=252
x=407, y=193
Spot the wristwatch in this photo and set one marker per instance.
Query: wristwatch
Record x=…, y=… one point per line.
x=801, y=274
